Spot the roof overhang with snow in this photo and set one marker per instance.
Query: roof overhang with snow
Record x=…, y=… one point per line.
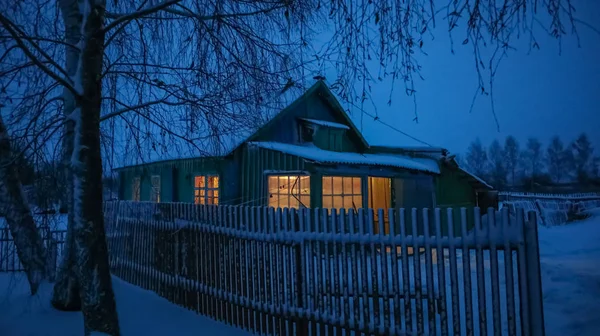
x=313, y=153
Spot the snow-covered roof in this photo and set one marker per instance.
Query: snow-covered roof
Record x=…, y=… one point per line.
x=325, y=123
x=316, y=154
x=480, y=180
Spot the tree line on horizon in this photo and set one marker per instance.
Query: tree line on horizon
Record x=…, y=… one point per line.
x=532, y=165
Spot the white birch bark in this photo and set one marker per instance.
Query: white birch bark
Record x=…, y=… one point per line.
x=13, y=204
x=89, y=250
x=66, y=290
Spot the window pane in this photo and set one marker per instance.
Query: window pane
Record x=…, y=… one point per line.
x=347, y=185
x=348, y=202
x=338, y=202
x=199, y=182
x=305, y=201
x=327, y=186
x=293, y=203
x=305, y=185
x=216, y=193
x=202, y=193
x=337, y=185
x=213, y=181
x=356, y=185
x=357, y=201
x=327, y=202
x=210, y=193
x=216, y=200
x=272, y=184
x=284, y=187
x=273, y=201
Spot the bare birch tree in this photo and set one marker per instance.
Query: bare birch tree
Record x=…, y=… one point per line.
x=199, y=73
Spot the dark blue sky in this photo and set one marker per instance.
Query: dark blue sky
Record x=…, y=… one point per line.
x=540, y=94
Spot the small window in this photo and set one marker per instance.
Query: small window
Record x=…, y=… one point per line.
x=342, y=192
x=289, y=191
x=155, y=192
x=206, y=189
x=135, y=189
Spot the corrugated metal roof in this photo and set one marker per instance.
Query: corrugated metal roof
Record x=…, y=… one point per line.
x=316, y=154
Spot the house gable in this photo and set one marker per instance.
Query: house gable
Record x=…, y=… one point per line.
x=317, y=104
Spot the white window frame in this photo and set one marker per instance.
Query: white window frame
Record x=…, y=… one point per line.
x=136, y=189
x=343, y=192
x=155, y=186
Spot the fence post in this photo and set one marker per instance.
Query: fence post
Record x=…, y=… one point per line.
x=298, y=223
x=52, y=256
x=534, y=279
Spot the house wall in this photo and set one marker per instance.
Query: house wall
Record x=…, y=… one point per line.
x=454, y=191
x=177, y=178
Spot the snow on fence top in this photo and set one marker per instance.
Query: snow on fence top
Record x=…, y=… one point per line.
x=554, y=196
x=323, y=156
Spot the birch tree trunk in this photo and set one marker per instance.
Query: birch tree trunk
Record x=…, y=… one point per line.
x=90, y=250
x=66, y=290
x=28, y=242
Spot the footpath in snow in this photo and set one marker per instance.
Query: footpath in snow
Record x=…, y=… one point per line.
x=141, y=313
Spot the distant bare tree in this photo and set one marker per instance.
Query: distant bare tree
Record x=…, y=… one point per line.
x=511, y=157
x=532, y=158
x=201, y=73
x=557, y=159
x=583, y=155
x=477, y=159
x=497, y=168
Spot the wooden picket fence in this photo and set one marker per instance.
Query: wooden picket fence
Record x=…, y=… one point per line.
x=319, y=272
x=53, y=241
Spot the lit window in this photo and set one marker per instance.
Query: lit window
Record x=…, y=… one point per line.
x=380, y=194
x=206, y=189
x=155, y=192
x=289, y=191
x=342, y=192
x=135, y=189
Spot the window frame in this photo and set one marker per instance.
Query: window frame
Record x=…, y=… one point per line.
x=136, y=188
x=155, y=190
x=269, y=174
x=206, y=189
x=343, y=194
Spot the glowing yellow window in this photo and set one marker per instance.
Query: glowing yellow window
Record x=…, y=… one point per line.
x=206, y=189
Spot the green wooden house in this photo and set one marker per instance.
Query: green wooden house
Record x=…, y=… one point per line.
x=309, y=155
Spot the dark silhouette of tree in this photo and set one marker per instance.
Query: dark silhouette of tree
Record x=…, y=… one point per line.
x=476, y=159
x=511, y=157
x=497, y=172
x=557, y=160
x=532, y=158
x=582, y=158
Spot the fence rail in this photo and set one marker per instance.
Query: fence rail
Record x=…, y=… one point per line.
x=53, y=241
x=320, y=272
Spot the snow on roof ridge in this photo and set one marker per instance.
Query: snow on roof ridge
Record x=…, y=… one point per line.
x=326, y=123
x=475, y=177
x=314, y=153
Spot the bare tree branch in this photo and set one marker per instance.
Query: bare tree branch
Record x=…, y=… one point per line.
x=7, y=25
x=125, y=18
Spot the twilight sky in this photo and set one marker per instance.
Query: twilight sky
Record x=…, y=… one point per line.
x=537, y=95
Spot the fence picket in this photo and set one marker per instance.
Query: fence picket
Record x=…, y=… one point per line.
x=384, y=326
x=492, y=232
x=417, y=271
x=363, y=281
x=441, y=273
x=453, y=275
x=396, y=310
x=508, y=271
x=479, y=238
x=466, y=257
x=408, y=327
x=429, y=274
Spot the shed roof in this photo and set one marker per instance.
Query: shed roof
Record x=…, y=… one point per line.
x=316, y=154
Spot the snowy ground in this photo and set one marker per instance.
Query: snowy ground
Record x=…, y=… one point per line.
x=570, y=260
x=141, y=313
